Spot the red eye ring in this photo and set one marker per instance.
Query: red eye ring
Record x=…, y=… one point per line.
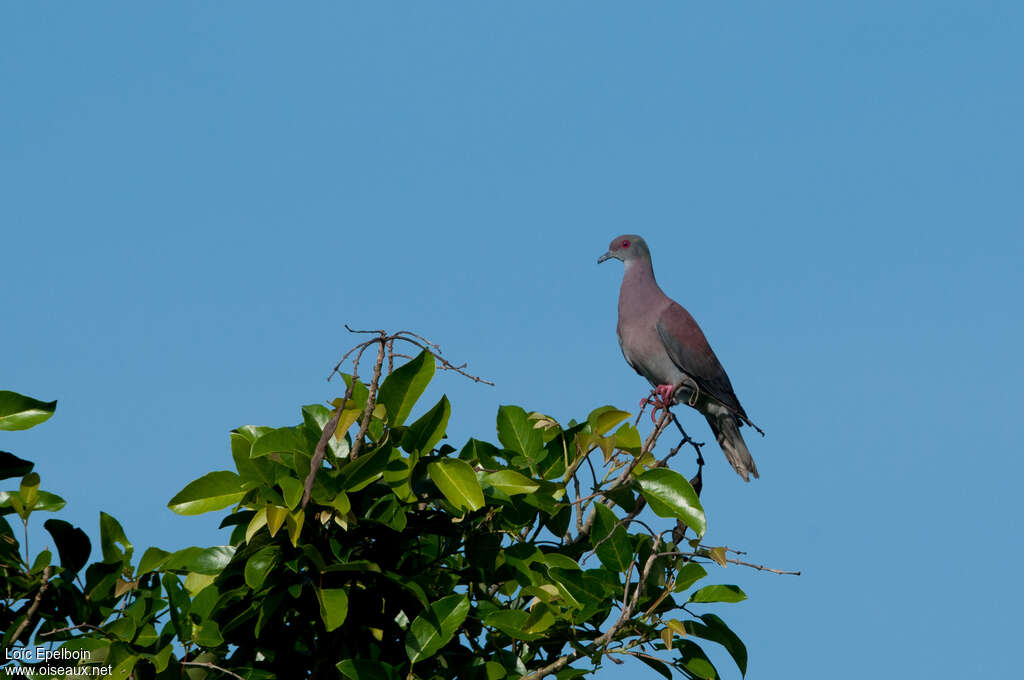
x=625, y=244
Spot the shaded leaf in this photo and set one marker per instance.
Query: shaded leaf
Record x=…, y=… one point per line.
x=714, y=629
x=365, y=669
x=73, y=544
x=365, y=469
x=431, y=630
x=333, y=606
x=259, y=565
x=694, y=660
x=12, y=466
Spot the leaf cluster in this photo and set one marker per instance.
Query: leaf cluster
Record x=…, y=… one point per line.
x=410, y=558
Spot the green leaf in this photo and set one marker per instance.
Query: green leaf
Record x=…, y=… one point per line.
x=123, y=628
x=605, y=418
x=517, y=433
x=457, y=481
x=627, y=438
x=714, y=629
x=695, y=661
x=670, y=495
x=511, y=622
x=12, y=466
x=365, y=669
x=212, y=491
x=365, y=469
x=73, y=544
x=152, y=560
x=431, y=630
x=424, y=434
x=510, y=482
x=688, y=574
x=611, y=542
x=208, y=561
x=281, y=440
x=476, y=451
x=28, y=491
x=658, y=665
x=18, y=412
x=179, y=603
x=333, y=606
x=400, y=390
x=46, y=501
x=260, y=565
x=291, y=489
x=112, y=534
x=209, y=635
x=718, y=594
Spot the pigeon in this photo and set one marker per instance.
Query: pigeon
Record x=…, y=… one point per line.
x=663, y=343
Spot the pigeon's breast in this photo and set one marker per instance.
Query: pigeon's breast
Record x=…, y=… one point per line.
x=642, y=347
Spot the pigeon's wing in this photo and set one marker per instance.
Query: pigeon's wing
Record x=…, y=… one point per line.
x=689, y=350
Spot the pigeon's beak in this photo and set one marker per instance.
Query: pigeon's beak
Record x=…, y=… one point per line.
x=606, y=256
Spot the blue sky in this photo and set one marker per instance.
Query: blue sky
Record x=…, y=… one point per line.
x=196, y=197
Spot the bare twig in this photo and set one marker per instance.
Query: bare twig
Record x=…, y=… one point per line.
x=204, y=664
x=80, y=626
x=761, y=567
x=371, y=400
x=386, y=344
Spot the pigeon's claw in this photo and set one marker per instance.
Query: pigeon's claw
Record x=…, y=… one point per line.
x=661, y=399
x=665, y=393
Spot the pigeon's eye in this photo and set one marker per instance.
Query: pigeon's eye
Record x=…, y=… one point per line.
x=625, y=244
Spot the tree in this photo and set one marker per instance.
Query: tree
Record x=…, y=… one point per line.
x=364, y=547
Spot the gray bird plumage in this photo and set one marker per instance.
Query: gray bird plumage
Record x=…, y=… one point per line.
x=663, y=343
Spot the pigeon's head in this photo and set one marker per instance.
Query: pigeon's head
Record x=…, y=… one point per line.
x=626, y=248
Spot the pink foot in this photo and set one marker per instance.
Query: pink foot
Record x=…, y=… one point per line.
x=661, y=399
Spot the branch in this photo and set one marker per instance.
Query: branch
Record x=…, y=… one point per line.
x=386, y=343
x=204, y=664
x=34, y=607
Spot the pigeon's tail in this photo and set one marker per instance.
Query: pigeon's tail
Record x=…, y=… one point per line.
x=727, y=432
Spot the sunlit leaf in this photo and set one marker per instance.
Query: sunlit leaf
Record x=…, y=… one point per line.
x=457, y=481
x=111, y=537
x=424, y=434
x=718, y=594
x=510, y=482
x=212, y=491
x=516, y=433
x=18, y=412
x=400, y=390
x=605, y=418
x=670, y=495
